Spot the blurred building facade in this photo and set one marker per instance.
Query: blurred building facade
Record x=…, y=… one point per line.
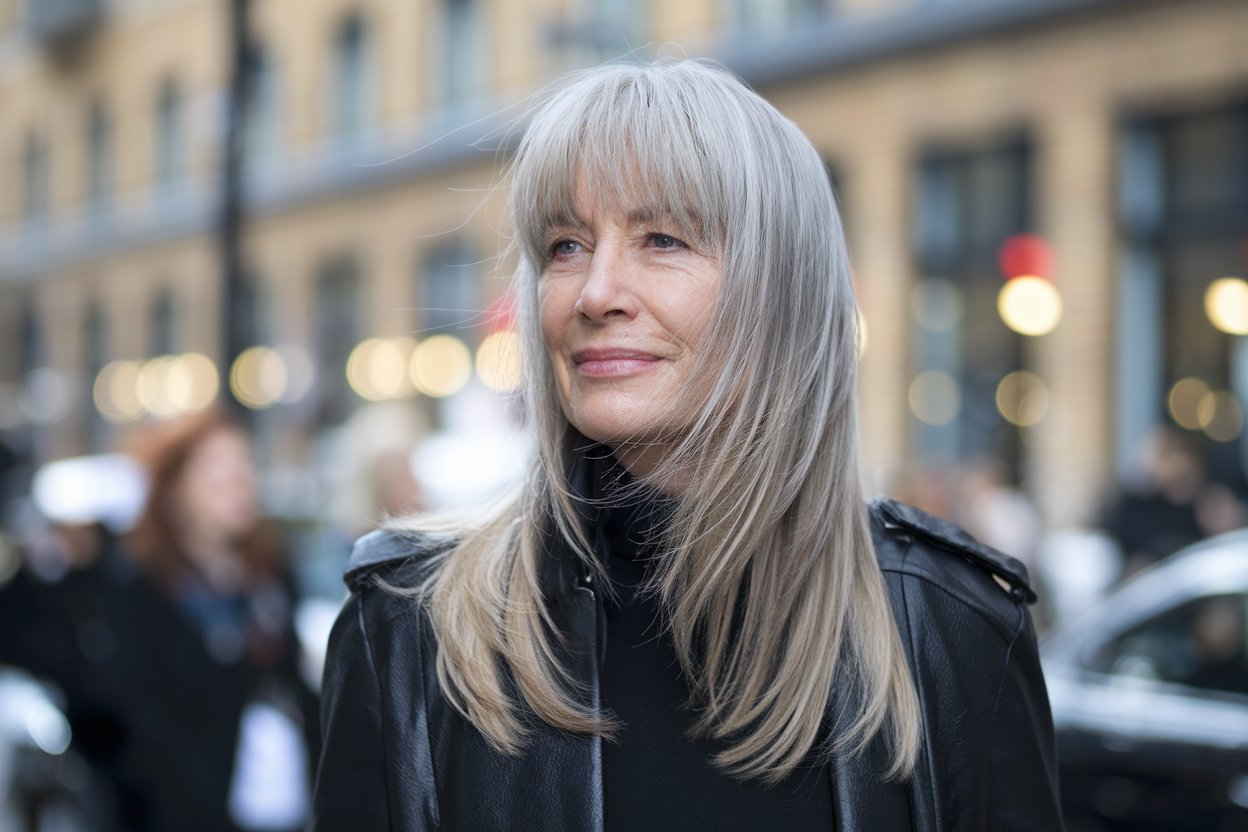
x=1111, y=134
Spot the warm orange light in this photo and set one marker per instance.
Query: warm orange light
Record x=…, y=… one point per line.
x=1030, y=305
x=1022, y=398
x=259, y=377
x=115, y=392
x=441, y=365
x=498, y=360
x=1226, y=304
x=1220, y=415
x=1184, y=400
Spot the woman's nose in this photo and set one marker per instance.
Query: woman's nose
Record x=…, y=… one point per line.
x=608, y=288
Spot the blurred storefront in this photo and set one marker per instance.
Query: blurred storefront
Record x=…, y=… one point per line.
x=1092, y=153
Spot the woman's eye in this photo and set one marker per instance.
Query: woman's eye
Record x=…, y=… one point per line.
x=564, y=247
x=665, y=241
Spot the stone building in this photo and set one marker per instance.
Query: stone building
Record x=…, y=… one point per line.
x=1114, y=131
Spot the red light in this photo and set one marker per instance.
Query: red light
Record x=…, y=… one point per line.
x=501, y=314
x=1026, y=254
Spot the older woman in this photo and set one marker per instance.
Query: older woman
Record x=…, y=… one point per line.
x=687, y=617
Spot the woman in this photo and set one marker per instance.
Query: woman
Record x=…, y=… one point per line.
x=221, y=729
x=687, y=618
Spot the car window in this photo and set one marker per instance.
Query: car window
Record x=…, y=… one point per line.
x=1200, y=644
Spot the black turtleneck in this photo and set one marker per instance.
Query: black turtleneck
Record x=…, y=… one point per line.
x=654, y=777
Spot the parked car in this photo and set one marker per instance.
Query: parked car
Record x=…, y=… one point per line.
x=1149, y=689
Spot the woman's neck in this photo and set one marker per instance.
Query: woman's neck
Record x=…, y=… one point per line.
x=644, y=462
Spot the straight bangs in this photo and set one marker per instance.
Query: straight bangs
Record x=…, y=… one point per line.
x=636, y=141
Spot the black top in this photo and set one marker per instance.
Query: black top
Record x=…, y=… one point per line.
x=654, y=777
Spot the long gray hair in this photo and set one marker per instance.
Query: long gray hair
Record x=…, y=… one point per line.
x=767, y=575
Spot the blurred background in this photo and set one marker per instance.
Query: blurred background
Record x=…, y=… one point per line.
x=252, y=250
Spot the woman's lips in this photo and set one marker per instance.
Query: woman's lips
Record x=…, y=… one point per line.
x=613, y=363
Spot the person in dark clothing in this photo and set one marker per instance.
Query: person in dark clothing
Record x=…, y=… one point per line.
x=222, y=731
x=57, y=624
x=688, y=616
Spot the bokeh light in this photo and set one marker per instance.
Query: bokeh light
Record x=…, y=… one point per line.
x=935, y=398
x=498, y=361
x=157, y=386
x=1022, y=398
x=259, y=377
x=377, y=368
x=194, y=382
x=115, y=392
x=1030, y=305
x=1025, y=254
x=1226, y=304
x=441, y=365
x=1184, y=400
x=1220, y=416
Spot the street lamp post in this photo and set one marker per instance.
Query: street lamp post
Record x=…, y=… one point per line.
x=233, y=270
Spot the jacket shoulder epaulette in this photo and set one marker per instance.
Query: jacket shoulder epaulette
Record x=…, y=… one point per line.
x=948, y=538
x=385, y=549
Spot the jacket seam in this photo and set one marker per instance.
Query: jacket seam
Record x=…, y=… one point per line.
x=372, y=667
x=991, y=620
x=424, y=706
x=922, y=693
x=1005, y=672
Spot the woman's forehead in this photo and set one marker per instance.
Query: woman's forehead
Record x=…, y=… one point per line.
x=625, y=195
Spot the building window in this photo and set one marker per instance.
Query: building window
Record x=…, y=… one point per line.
x=754, y=17
x=354, y=88
x=99, y=158
x=253, y=312
x=465, y=63
x=1183, y=208
x=164, y=323
x=264, y=116
x=338, y=330
x=450, y=290
x=35, y=172
x=968, y=203
x=170, y=156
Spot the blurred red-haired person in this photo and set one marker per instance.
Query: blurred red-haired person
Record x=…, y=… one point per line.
x=223, y=728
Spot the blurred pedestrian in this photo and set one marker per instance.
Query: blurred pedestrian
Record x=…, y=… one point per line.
x=222, y=728
x=687, y=617
x=1156, y=512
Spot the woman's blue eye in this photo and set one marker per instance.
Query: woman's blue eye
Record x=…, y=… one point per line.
x=564, y=247
x=665, y=241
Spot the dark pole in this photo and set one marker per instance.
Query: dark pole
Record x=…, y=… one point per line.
x=233, y=270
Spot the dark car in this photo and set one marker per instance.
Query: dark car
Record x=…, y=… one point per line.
x=1150, y=697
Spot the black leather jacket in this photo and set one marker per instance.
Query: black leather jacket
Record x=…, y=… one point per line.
x=397, y=756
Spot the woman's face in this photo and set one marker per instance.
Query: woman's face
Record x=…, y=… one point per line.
x=217, y=494
x=624, y=304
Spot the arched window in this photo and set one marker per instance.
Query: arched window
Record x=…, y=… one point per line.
x=338, y=329
x=35, y=171
x=352, y=94
x=164, y=323
x=170, y=156
x=449, y=289
x=99, y=157
x=264, y=106
x=969, y=201
x=465, y=63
